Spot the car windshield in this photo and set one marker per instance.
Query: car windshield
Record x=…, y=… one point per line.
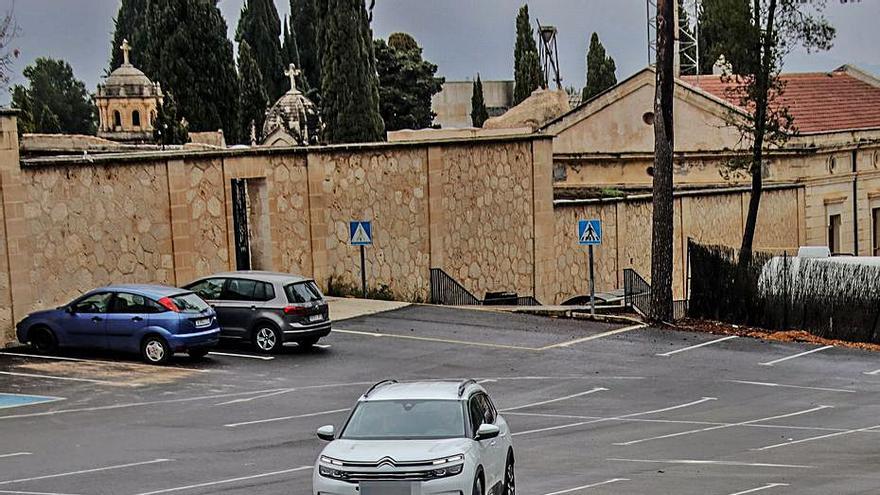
x=190, y=303
x=406, y=420
x=303, y=292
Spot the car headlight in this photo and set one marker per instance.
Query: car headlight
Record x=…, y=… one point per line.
x=329, y=472
x=330, y=460
x=447, y=460
x=447, y=472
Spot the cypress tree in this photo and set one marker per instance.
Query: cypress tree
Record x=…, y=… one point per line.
x=169, y=127
x=349, y=84
x=252, y=96
x=305, y=23
x=479, y=112
x=600, y=70
x=190, y=55
x=725, y=29
x=129, y=24
x=260, y=26
x=526, y=63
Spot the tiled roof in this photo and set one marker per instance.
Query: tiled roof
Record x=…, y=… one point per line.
x=818, y=101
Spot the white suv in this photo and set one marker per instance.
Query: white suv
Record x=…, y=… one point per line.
x=418, y=438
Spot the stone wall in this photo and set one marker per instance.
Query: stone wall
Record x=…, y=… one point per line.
x=715, y=218
x=466, y=206
x=92, y=226
x=488, y=209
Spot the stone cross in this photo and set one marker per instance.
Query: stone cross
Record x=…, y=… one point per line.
x=125, y=49
x=293, y=73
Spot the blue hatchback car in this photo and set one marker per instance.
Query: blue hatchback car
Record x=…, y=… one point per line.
x=155, y=320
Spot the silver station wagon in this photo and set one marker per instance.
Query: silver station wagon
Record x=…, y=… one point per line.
x=266, y=309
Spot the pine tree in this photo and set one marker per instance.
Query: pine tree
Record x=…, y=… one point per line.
x=600, y=70
x=349, y=84
x=252, y=97
x=260, y=26
x=479, y=112
x=526, y=63
x=305, y=23
x=407, y=83
x=54, y=101
x=190, y=55
x=129, y=24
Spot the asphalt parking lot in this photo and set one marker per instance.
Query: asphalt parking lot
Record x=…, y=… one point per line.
x=596, y=409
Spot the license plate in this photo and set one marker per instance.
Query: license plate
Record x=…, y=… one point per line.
x=387, y=488
x=203, y=322
x=316, y=317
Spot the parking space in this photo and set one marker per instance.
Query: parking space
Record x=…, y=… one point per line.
x=596, y=409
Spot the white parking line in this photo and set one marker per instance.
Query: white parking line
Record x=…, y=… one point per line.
x=69, y=379
x=821, y=389
x=712, y=428
x=584, y=487
x=85, y=471
x=285, y=418
x=700, y=462
x=704, y=344
x=761, y=488
x=131, y=404
x=680, y=422
x=599, y=420
x=593, y=337
x=821, y=437
x=99, y=361
x=438, y=340
x=811, y=351
x=226, y=481
x=247, y=356
x=15, y=454
x=19, y=492
x=560, y=399
x=872, y=373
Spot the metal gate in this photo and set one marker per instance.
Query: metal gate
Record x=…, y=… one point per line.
x=240, y=224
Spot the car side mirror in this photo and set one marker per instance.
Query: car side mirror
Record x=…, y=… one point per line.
x=327, y=433
x=68, y=309
x=487, y=431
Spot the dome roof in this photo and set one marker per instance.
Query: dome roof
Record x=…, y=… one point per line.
x=296, y=115
x=127, y=75
x=128, y=81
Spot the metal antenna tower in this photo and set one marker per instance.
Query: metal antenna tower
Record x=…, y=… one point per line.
x=687, y=41
x=549, y=53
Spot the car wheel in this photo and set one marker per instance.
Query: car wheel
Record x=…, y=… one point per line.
x=307, y=343
x=478, y=486
x=43, y=340
x=267, y=338
x=509, y=478
x=197, y=353
x=155, y=350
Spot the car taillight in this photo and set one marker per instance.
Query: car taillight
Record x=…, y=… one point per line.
x=296, y=310
x=168, y=304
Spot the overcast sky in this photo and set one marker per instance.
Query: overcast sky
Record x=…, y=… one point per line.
x=463, y=37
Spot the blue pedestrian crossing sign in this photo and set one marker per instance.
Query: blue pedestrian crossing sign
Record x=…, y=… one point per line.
x=589, y=232
x=360, y=233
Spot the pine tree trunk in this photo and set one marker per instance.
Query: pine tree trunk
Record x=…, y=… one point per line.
x=661, y=243
x=762, y=83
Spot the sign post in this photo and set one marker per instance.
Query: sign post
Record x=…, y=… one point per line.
x=360, y=233
x=590, y=234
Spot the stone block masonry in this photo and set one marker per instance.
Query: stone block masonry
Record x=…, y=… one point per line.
x=477, y=208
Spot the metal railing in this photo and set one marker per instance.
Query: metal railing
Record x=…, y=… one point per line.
x=637, y=296
x=447, y=291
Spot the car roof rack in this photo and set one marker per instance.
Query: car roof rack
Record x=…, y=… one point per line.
x=464, y=385
x=377, y=385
